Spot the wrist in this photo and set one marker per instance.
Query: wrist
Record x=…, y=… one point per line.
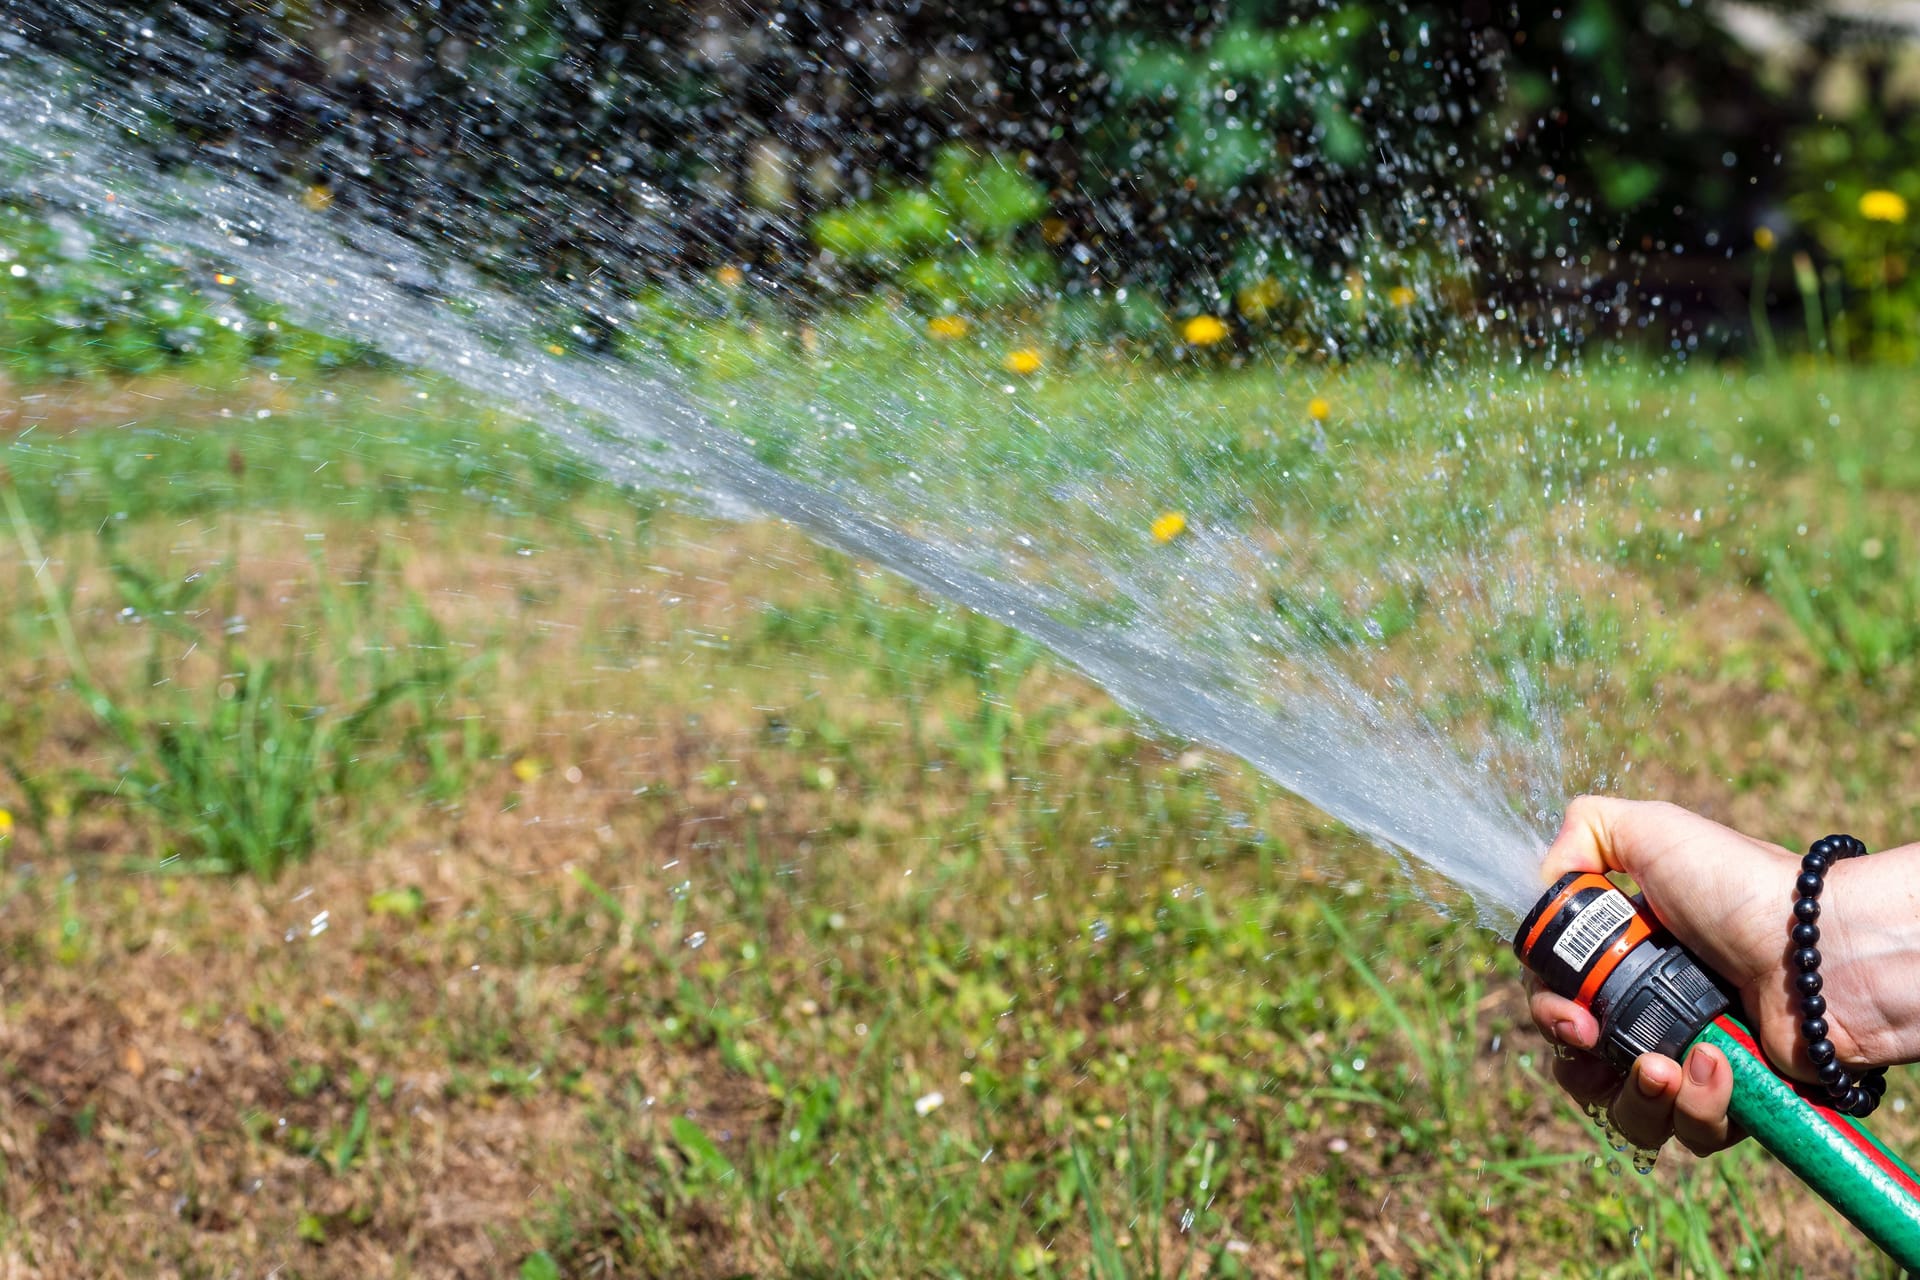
x=1870, y=947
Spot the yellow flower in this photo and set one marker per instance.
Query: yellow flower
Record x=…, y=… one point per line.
x=947, y=328
x=1023, y=361
x=1883, y=206
x=556, y=349
x=730, y=276
x=1763, y=239
x=1169, y=526
x=1318, y=409
x=317, y=198
x=1204, y=331
x=527, y=769
x=1400, y=296
x=6, y=824
x=1258, y=298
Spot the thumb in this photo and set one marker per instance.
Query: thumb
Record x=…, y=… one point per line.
x=1588, y=837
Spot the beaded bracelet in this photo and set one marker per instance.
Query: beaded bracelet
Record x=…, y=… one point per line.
x=1850, y=1096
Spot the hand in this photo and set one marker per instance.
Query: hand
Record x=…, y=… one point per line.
x=1725, y=896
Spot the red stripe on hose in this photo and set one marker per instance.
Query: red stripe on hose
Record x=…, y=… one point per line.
x=1843, y=1124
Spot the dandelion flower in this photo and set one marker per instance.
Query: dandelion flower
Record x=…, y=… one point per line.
x=554, y=348
x=6, y=824
x=1883, y=206
x=1763, y=239
x=221, y=277
x=316, y=198
x=1022, y=361
x=527, y=769
x=1169, y=526
x=730, y=276
x=1401, y=296
x=1319, y=409
x=1204, y=331
x=947, y=328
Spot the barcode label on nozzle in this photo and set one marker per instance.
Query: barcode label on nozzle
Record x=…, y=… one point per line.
x=1592, y=927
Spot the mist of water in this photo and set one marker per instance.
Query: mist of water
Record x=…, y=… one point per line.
x=1183, y=635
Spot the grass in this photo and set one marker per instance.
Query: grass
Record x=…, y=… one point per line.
x=697, y=902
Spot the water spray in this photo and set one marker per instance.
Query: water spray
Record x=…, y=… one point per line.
x=1587, y=941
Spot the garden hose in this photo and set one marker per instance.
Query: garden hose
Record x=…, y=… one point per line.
x=1588, y=942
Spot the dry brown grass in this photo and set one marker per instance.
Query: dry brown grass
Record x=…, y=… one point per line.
x=184, y=1057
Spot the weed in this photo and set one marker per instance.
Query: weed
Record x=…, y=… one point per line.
x=1861, y=610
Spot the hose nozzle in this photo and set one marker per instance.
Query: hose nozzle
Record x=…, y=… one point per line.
x=1587, y=941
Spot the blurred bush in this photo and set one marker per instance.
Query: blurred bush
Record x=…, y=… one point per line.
x=955, y=242
x=1851, y=185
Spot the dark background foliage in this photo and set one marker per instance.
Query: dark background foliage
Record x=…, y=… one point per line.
x=1578, y=152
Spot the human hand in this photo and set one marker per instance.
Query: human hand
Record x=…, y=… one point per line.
x=1725, y=896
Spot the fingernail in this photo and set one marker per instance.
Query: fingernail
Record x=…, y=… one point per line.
x=1700, y=1067
x=1654, y=1076
x=1563, y=1031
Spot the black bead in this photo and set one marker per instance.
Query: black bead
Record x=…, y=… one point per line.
x=1813, y=1006
x=1830, y=1073
x=1814, y=1029
x=1805, y=935
x=1809, y=884
x=1806, y=909
x=1815, y=862
x=1821, y=1051
x=1807, y=984
x=1859, y=1101
x=1875, y=1082
x=1807, y=959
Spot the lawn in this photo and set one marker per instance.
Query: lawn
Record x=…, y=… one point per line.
x=626, y=891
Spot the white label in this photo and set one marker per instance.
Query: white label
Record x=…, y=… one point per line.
x=1592, y=927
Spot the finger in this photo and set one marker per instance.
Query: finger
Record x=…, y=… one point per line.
x=1643, y=1113
x=1700, y=1110
x=1562, y=1021
x=1587, y=1079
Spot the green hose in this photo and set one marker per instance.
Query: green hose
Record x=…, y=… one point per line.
x=1843, y=1163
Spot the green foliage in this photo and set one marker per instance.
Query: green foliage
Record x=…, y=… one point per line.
x=77, y=300
x=952, y=243
x=238, y=783
x=1238, y=101
x=244, y=770
x=1840, y=177
x=1856, y=599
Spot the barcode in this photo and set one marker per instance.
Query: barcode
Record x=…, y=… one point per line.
x=1592, y=927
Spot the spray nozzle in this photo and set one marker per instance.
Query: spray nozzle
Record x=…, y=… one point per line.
x=1587, y=941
